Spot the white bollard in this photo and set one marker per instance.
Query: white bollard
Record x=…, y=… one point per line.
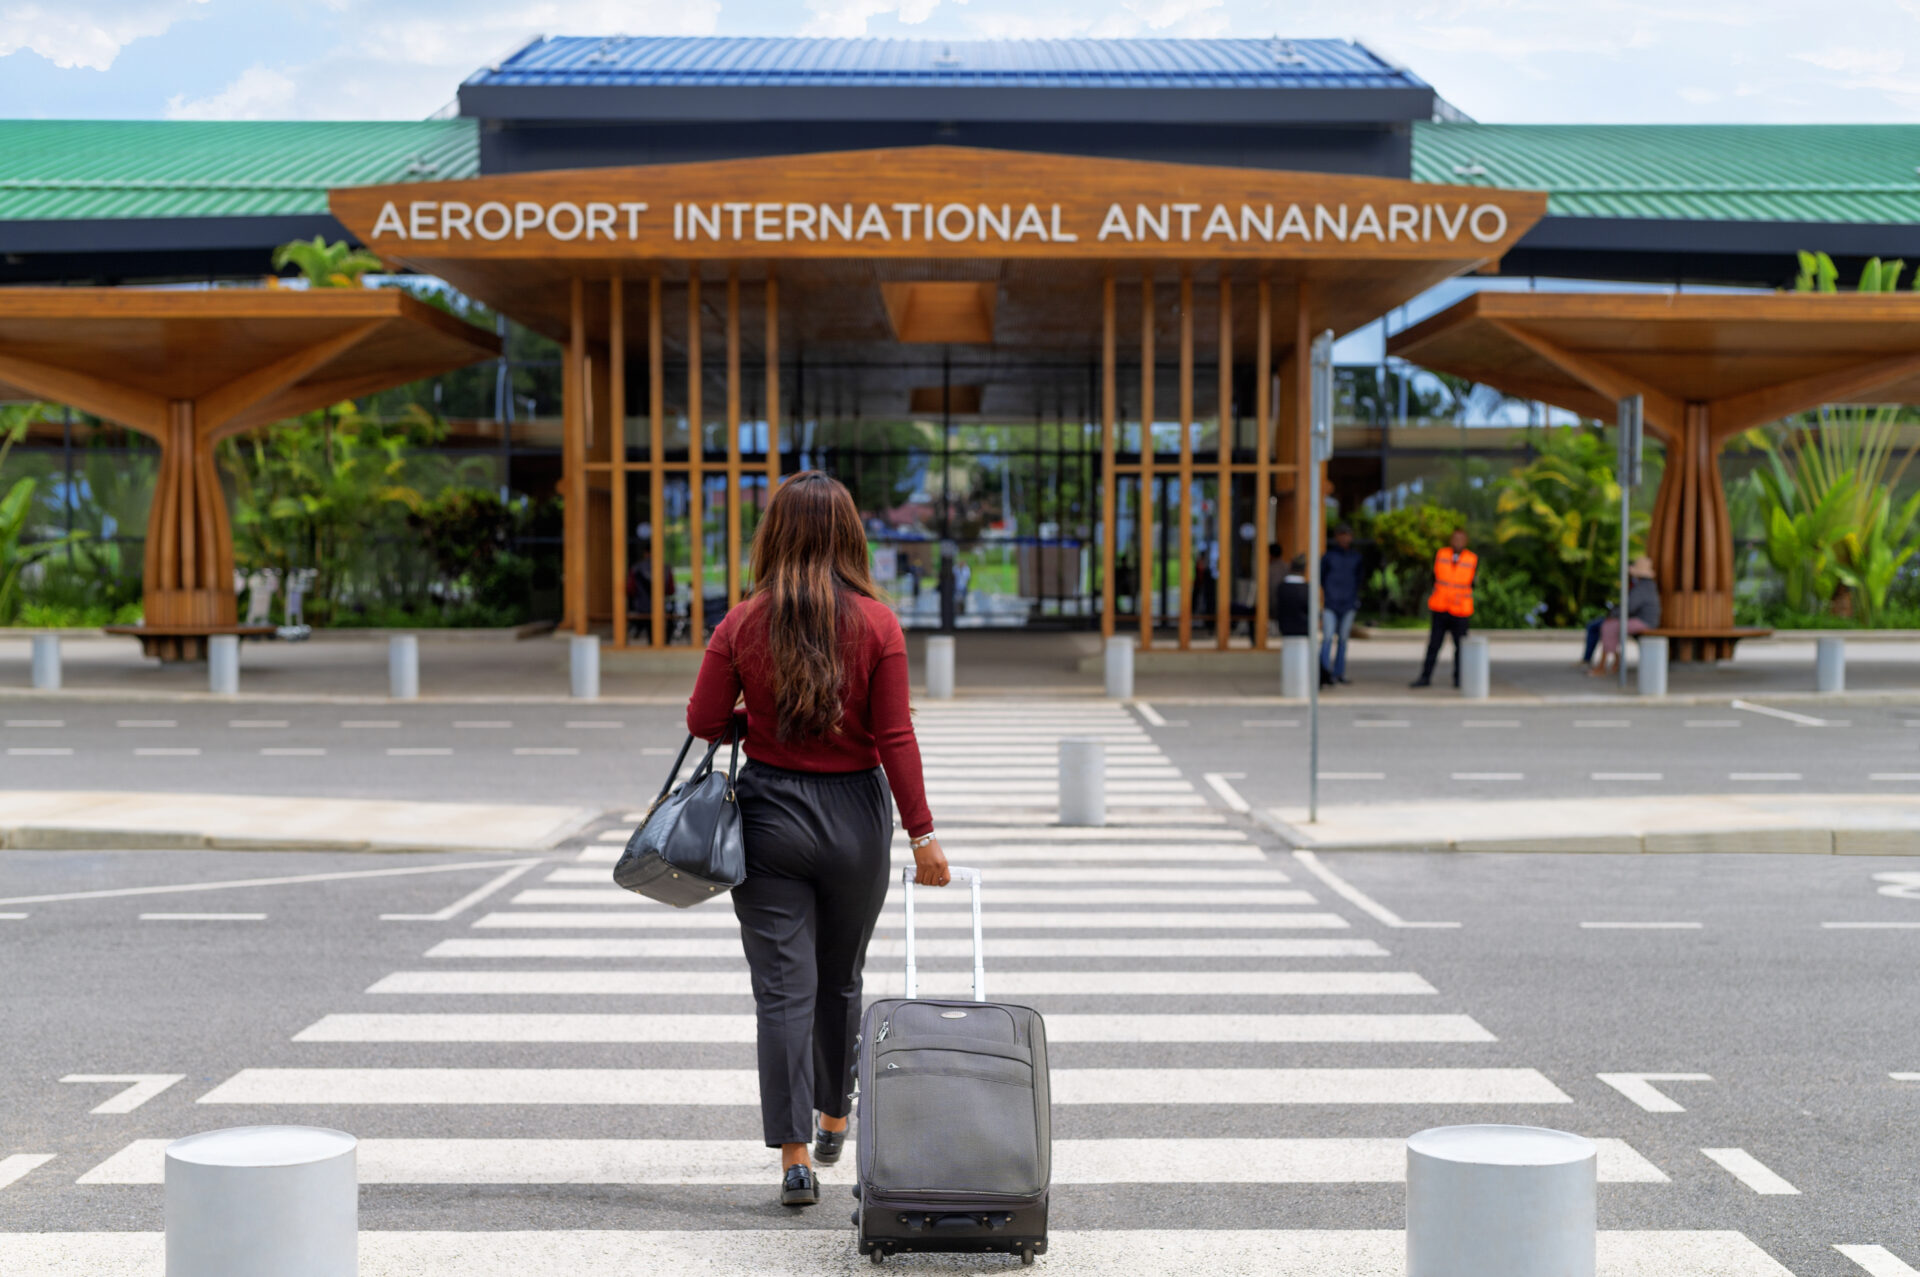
x=258, y=1200
x=1830, y=665
x=403, y=667
x=1296, y=668
x=939, y=667
x=1476, y=668
x=1501, y=1201
x=583, y=652
x=223, y=664
x=46, y=662
x=1120, y=667
x=1083, y=781
x=1653, y=665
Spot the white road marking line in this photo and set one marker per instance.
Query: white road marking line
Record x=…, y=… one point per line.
x=12, y=917
x=1878, y=1261
x=1905, y=1077
x=622, y=947
x=1712, y=722
x=561, y=1027
x=22, y=751
x=679, y=983
x=1642, y=926
x=293, y=751
x=228, y=884
x=1894, y=776
x=36, y=722
x=1381, y=722
x=1040, y=805
x=1489, y=775
x=758, y=1252
x=146, y=722
x=203, y=917
x=1021, y=751
x=16, y=1167
x=938, y=784
x=418, y=752
x=1150, y=714
x=1126, y=824
x=615, y=835
x=465, y=902
x=140, y=1087
x=1357, y=898
x=1636, y=1087
x=1269, y=722
x=492, y=724
x=1042, y=766
x=1353, y=775
x=1602, y=722
x=741, y=1087
x=370, y=723
x=1628, y=776
x=533, y=751
x=1763, y=776
x=1749, y=1170
x=1007, y=855
x=161, y=752
x=1870, y=926
x=1804, y=720
x=1179, y=877
x=595, y=724
x=1072, y=833
x=1172, y=899
x=1491, y=722
x=1217, y=782
x=256, y=722
x=937, y=921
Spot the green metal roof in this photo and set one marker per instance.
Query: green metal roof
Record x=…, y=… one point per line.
x=1700, y=172
x=73, y=169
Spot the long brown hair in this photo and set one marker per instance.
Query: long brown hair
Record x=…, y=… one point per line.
x=809, y=566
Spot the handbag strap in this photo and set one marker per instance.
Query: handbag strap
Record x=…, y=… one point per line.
x=674, y=770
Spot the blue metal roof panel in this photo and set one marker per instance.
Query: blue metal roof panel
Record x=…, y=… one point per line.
x=681, y=61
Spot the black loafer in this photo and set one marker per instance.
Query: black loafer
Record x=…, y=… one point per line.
x=827, y=1144
x=798, y=1187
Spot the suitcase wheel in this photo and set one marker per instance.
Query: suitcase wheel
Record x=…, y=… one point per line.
x=1026, y=1256
x=877, y=1255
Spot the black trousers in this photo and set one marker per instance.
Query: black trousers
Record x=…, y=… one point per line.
x=1444, y=623
x=818, y=857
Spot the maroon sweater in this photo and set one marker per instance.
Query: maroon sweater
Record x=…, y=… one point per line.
x=875, y=730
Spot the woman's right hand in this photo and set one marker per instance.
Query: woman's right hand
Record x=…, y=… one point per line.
x=931, y=865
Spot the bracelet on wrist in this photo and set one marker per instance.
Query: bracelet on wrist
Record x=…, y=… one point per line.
x=917, y=843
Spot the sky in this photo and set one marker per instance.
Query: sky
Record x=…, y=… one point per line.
x=1536, y=61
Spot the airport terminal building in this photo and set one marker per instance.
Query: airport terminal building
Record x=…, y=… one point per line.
x=1048, y=303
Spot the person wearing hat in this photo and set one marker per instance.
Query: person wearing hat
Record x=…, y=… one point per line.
x=1643, y=613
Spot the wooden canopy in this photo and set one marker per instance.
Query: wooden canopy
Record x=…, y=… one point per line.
x=1708, y=366
x=189, y=368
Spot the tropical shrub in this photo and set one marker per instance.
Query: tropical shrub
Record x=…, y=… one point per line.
x=326, y=265
x=1559, y=523
x=1404, y=542
x=17, y=554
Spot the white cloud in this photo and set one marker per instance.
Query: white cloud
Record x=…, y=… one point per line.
x=85, y=33
x=1851, y=60
x=259, y=93
x=850, y=17
x=1698, y=95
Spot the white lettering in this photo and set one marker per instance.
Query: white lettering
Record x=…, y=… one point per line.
x=1452, y=229
x=947, y=212
x=873, y=222
x=1293, y=223
x=577, y=220
x=699, y=218
x=1115, y=223
x=766, y=224
x=1368, y=223
x=1060, y=236
x=800, y=220
x=389, y=223
x=456, y=217
x=1186, y=212
x=1403, y=217
x=527, y=216
x=1220, y=219
x=1262, y=222
x=1426, y=222
x=678, y=219
x=600, y=217
x=420, y=216
x=1499, y=219
x=1322, y=222
x=1144, y=221
x=1002, y=225
x=840, y=222
x=497, y=209
x=633, y=211
x=739, y=211
x=906, y=212
x=1030, y=219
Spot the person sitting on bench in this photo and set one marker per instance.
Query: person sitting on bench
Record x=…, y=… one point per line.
x=1643, y=613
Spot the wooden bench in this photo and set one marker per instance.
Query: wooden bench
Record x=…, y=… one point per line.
x=1704, y=643
x=185, y=642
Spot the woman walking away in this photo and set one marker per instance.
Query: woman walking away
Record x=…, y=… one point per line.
x=822, y=666
x=1643, y=614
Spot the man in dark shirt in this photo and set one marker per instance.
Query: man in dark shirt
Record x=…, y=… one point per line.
x=1340, y=568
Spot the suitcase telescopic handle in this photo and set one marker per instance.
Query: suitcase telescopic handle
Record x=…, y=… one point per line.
x=972, y=877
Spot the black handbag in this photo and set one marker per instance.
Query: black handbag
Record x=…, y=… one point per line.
x=690, y=847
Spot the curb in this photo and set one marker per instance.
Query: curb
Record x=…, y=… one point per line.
x=1804, y=841
x=81, y=838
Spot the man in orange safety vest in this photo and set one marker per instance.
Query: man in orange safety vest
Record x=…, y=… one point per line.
x=1451, y=604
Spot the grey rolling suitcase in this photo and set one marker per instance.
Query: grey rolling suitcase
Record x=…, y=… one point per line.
x=955, y=1133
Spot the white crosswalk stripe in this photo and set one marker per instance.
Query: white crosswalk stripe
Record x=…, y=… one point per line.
x=1177, y=898
x=948, y=919
x=1086, y=984
x=929, y=947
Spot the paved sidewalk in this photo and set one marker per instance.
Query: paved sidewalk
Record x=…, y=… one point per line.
x=1818, y=824
x=95, y=820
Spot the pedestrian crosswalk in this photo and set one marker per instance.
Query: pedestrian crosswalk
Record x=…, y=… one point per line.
x=1213, y=1021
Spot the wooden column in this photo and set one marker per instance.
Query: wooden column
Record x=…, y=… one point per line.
x=1145, y=589
x=189, y=550
x=1223, y=487
x=733, y=435
x=1186, y=458
x=657, y=452
x=696, y=468
x=773, y=382
x=1263, y=456
x=573, y=461
x=617, y=427
x=1296, y=435
x=1109, y=482
x=598, y=519
x=1691, y=540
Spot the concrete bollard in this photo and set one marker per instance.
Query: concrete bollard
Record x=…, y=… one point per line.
x=939, y=667
x=583, y=662
x=223, y=664
x=1083, y=781
x=1296, y=668
x=1120, y=667
x=255, y=1200
x=403, y=667
x=1501, y=1201
x=46, y=662
x=1830, y=665
x=1476, y=668
x=1653, y=665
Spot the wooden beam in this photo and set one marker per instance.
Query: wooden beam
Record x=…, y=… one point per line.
x=733, y=435
x=573, y=458
x=696, y=467
x=1145, y=590
x=1663, y=413
x=135, y=409
x=617, y=410
x=773, y=382
x=657, y=462
x=1186, y=458
x=217, y=407
x=1770, y=403
x=1109, y=481
x=1223, y=485
x=1263, y=454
